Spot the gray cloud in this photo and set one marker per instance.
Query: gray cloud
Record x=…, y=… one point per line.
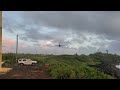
x=71, y=27
x=96, y=22
x=114, y=47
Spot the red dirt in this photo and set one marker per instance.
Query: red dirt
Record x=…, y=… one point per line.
x=27, y=72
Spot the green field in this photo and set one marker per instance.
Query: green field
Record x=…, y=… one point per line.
x=69, y=66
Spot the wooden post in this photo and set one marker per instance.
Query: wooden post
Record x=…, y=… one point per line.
x=2, y=70
x=0, y=39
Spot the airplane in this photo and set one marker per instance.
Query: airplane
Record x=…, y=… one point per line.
x=59, y=45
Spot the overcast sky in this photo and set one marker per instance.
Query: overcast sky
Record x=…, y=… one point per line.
x=82, y=32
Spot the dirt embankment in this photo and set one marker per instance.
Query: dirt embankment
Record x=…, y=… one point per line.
x=27, y=72
x=110, y=68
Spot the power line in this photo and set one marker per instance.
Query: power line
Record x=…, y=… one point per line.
x=20, y=37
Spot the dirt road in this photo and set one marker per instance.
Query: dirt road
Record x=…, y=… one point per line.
x=27, y=72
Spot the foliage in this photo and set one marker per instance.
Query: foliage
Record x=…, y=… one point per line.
x=69, y=66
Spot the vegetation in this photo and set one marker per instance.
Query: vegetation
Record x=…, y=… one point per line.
x=70, y=66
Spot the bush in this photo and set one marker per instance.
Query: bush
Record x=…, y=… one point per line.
x=75, y=70
x=8, y=63
x=69, y=66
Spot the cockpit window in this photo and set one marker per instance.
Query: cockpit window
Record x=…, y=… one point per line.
x=20, y=60
x=24, y=60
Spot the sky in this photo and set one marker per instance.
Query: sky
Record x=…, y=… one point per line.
x=82, y=32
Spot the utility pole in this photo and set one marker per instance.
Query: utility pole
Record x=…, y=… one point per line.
x=16, y=47
x=107, y=51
